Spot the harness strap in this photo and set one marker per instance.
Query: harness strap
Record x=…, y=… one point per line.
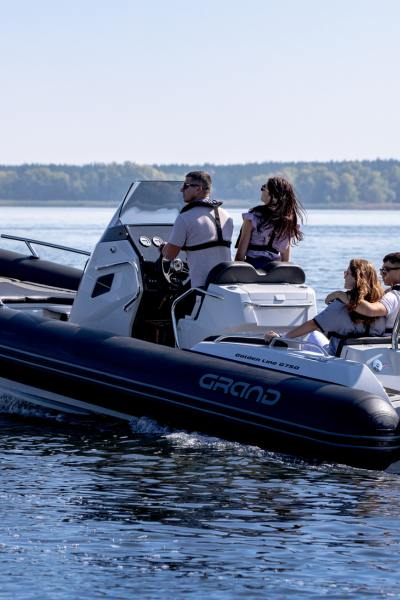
x=260, y=247
x=213, y=243
x=206, y=203
x=268, y=247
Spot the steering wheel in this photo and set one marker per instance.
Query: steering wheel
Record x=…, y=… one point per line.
x=175, y=272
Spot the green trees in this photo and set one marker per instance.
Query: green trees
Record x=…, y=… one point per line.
x=331, y=184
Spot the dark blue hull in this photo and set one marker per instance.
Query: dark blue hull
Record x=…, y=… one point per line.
x=187, y=390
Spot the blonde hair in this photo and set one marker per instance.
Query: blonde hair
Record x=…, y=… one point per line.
x=366, y=287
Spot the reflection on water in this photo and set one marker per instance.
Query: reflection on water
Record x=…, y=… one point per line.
x=99, y=509
x=91, y=504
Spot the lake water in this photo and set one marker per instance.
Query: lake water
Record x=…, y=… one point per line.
x=99, y=509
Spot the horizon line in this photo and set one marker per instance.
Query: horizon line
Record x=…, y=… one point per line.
x=213, y=164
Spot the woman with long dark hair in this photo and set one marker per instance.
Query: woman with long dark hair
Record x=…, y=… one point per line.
x=339, y=320
x=269, y=230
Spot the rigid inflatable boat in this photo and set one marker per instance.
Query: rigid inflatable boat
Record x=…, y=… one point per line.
x=127, y=338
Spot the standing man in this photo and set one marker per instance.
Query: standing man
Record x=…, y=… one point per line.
x=202, y=229
x=389, y=305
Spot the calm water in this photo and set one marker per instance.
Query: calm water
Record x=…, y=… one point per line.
x=99, y=509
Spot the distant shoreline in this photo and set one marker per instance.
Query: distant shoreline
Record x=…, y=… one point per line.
x=335, y=185
x=233, y=204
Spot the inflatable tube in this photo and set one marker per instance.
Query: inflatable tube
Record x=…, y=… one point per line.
x=197, y=392
x=37, y=270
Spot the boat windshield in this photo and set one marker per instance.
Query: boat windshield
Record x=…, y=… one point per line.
x=151, y=202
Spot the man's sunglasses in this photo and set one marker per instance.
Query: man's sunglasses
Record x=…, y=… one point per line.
x=187, y=185
x=387, y=269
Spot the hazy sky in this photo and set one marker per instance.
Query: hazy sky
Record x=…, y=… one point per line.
x=220, y=81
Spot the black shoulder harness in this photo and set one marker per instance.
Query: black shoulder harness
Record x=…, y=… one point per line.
x=268, y=247
x=205, y=203
x=213, y=204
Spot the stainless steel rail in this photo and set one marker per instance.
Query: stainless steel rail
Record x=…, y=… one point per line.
x=34, y=254
x=257, y=341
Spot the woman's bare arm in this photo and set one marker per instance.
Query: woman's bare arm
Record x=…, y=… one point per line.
x=337, y=295
x=244, y=240
x=285, y=254
x=371, y=309
x=365, y=308
x=299, y=331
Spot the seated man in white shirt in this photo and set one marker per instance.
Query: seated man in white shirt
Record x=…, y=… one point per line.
x=389, y=305
x=202, y=228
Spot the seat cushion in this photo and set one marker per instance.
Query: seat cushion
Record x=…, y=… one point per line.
x=242, y=272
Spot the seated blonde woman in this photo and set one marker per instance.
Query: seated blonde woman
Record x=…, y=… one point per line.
x=339, y=320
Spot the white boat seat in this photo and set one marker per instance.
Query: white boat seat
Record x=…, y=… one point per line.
x=243, y=272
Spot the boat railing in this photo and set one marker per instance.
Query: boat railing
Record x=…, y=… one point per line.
x=276, y=343
x=300, y=344
x=197, y=291
x=34, y=254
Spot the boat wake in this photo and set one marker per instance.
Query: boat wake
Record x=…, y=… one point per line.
x=184, y=440
x=12, y=405
x=193, y=440
x=181, y=440
x=146, y=426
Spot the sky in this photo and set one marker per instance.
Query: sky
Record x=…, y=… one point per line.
x=205, y=81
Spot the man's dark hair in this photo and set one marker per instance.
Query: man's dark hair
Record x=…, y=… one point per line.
x=393, y=257
x=202, y=178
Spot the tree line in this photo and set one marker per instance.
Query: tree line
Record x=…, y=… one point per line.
x=341, y=184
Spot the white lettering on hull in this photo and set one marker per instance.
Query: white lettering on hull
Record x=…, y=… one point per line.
x=239, y=389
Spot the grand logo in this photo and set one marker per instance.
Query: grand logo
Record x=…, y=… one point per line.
x=239, y=389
